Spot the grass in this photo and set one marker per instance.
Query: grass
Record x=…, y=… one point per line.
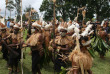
x=100, y=66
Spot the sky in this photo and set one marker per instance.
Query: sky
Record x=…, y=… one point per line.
x=34, y=3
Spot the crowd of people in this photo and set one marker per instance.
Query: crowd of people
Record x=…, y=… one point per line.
x=66, y=44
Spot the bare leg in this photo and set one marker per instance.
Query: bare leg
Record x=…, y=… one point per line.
x=38, y=70
x=89, y=71
x=75, y=71
x=11, y=71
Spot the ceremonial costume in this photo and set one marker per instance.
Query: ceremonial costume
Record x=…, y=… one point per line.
x=63, y=46
x=16, y=44
x=4, y=34
x=35, y=42
x=47, y=34
x=80, y=57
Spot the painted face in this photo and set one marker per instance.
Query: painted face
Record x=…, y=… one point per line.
x=63, y=34
x=16, y=30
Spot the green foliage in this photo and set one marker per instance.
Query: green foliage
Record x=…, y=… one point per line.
x=17, y=6
x=63, y=70
x=28, y=9
x=68, y=9
x=47, y=6
x=10, y=6
x=100, y=46
x=34, y=16
x=24, y=18
x=91, y=52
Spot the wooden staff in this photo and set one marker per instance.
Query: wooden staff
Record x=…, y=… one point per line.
x=5, y=13
x=54, y=1
x=6, y=9
x=21, y=36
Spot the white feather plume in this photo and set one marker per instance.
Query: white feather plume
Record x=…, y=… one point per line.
x=60, y=27
x=70, y=28
x=2, y=20
x=75, y=19
x=76, y=24
x=86, y=31
x=35, y=24
x=48, y=26
x=91, y=32
x=74, y=35
x=76, y=30
x=87, y=43
x=16, y=26
x=44, y=23
x=11, y=24
x=88, y=22
x=102, y=23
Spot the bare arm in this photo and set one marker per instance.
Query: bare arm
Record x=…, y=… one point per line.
x=65, y=49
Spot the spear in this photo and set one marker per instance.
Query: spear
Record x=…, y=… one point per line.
x=21, y=36
x=6, y=10
x=54, y=1
x=0, y=10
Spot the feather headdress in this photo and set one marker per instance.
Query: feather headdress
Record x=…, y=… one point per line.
x=35, y=24
x=88, y=22
x=48, y=26
x=2, y=26
x=2, y=20
x=69, y=23
x=87, y=30
x=11, y=24
x=63, y=26
x=16, y=26
x=102, y=23
x=73, y=26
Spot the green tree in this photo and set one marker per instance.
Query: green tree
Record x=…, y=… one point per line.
x=47, y=8
x=68, y=8
x=24, y=18
x=10, y=6
x=34, y=15
x=17, y=6
x=101, y=8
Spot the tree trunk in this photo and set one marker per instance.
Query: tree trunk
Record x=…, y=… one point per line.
x=10, y=14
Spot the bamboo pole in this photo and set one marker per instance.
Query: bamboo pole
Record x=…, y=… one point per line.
x=5, y=13
x=54, y=1
x=21, y=36
x=21, y=15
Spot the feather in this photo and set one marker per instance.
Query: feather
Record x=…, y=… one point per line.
x=48, y=26
x=76, y=30
x=70, y=28
x=86, y=31
x=74, y=35
x=88, y=22
x=16, y=26
x=76, y=24
x=102, y=23
x=87, y=43
x=44, y=24
x=75, y=19
x=91, y=32
x=2, y=20
x=11, y=24
x=35, y=24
